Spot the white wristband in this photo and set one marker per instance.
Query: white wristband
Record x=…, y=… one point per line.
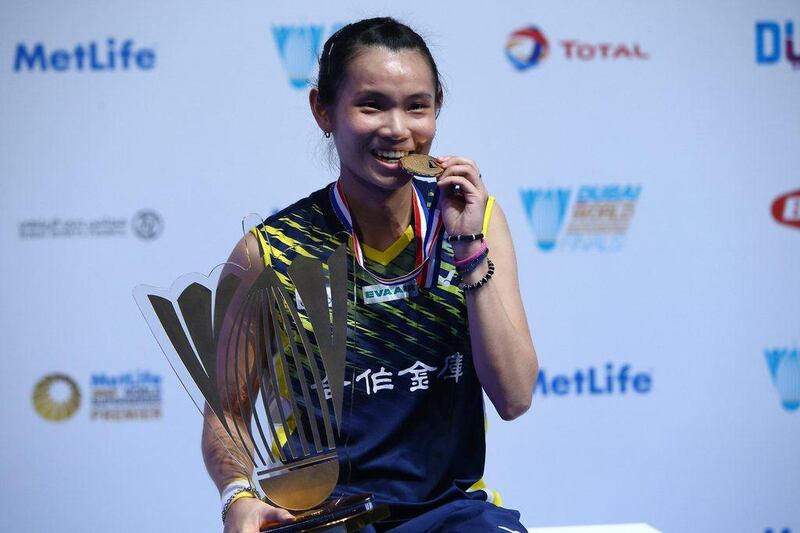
x=232, y=487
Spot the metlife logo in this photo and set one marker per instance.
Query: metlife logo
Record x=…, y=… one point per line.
x=110, y=55
x=590, y=218
x=608, y=380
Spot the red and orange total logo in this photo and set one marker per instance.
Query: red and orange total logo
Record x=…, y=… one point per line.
x=528, y=46
x=786, y=209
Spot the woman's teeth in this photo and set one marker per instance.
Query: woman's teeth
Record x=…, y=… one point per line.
x=389, y=155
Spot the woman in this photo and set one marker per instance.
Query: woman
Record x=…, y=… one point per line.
x=418, y=362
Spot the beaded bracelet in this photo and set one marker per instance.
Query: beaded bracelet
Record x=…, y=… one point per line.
x=465, y=238
x=466, y=287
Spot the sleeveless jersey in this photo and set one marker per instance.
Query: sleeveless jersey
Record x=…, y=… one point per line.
x=413, y=424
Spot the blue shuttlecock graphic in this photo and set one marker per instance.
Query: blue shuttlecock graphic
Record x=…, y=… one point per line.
x=784, y=366
x=299, y=47
x=545, y=209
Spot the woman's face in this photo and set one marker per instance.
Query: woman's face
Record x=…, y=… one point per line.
x=385, y=109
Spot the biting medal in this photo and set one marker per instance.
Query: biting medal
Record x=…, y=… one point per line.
x=421, y=165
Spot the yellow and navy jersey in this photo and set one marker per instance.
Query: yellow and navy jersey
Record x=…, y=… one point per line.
x=413, y=424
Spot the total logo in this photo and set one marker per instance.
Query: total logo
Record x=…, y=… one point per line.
x=299, y=47
x=609, y=380
x=527, y=47
x=768, y=43
x=93, y=56
x=595, y=218
x=786, y=209
x=784, y=367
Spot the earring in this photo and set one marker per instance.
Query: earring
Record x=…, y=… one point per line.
x=327, y=134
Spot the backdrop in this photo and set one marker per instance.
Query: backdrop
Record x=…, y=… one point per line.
x=646, y=155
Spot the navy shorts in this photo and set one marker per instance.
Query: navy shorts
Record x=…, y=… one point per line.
x=462, y=516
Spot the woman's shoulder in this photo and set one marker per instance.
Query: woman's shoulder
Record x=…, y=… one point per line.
x=312, y=205
x=309, y=220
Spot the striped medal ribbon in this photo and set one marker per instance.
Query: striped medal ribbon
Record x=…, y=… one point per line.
x=427, y=235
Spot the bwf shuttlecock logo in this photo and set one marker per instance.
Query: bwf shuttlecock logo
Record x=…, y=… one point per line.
x=299, y=48
x=784, y=366
x=545, y=210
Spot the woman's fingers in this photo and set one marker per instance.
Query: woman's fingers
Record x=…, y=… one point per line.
x=456, y=165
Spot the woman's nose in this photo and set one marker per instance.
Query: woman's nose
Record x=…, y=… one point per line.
x=395, y=125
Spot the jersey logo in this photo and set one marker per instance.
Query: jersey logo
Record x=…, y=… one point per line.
x=374, y=294
x=446, y=281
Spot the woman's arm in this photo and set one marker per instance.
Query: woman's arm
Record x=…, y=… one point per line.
x=224, y=460
x=502, y=349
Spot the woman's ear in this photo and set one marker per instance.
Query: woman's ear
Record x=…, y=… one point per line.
x=320, y=111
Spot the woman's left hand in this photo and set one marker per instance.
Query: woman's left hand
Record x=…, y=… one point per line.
x=462, y=211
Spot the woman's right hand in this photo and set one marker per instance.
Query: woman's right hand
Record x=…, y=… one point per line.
x=250, y=515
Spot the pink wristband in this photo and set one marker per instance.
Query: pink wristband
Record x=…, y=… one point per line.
x=464, y=262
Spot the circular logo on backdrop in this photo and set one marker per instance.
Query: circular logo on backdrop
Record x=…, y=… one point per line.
x=56, y=397
x=147, y=224
x=527, y=47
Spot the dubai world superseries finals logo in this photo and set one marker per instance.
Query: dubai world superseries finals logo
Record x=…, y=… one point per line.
x=597, y=218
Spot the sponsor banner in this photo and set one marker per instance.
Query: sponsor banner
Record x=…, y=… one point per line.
x=146, y=224
x=528, y=47
x=588, y=218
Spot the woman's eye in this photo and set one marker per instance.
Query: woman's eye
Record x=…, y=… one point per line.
x=417, y=106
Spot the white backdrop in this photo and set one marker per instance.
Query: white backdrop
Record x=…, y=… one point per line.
x=663, y=158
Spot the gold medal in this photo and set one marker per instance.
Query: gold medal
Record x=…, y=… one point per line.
x=421, y=165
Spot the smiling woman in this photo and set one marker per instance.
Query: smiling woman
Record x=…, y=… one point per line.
x=436, y=316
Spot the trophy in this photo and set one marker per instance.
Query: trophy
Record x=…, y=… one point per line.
x=268, y=365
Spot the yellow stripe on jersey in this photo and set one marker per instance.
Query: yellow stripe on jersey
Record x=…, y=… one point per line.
x=388, y=255
x=487, y=215
x=492, y=496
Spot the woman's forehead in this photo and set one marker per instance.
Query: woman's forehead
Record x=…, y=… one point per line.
x=378, y=68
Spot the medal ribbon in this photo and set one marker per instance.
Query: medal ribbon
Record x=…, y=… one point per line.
x=427, y=236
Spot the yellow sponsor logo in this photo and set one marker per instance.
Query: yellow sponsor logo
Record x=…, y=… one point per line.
x=54, y=408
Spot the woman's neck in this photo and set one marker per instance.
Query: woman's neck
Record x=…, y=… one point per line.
x=380, y=216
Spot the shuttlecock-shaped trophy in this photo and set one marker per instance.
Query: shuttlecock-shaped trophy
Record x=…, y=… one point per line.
x=269, y=365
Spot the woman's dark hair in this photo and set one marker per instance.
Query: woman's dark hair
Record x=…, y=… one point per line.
x=343, y=46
